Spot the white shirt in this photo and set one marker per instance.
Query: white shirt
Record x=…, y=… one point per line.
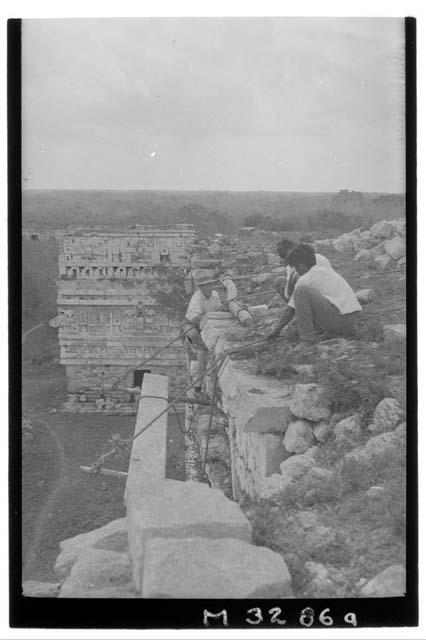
x=199, y=304
x=322, y=261
x=332, y=286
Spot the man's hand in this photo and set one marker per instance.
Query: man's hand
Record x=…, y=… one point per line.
x=273, y=334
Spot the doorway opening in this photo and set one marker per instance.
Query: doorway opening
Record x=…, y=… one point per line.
x=138, y=375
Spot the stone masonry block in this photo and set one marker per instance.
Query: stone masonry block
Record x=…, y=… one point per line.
x=258, y=404
x=111, y=537
x=148, y=455
x=269, y=453
x=174, y=509
x=224, y=568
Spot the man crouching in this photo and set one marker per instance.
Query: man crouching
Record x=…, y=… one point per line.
x=204, y=299
x=322, y=300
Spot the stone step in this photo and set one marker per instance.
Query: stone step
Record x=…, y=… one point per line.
x=174, y=509
x=222, y=568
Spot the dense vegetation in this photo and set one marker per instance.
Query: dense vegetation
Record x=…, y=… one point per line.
x=211, y=211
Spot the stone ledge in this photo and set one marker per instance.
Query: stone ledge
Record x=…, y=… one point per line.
x=174, y=509
x=148, y=456
x=224, y=568
x=257, y=403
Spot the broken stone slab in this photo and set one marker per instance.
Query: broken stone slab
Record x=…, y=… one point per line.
x=382, y=447
x=387, y=415
x=382, y=229
x=348, y=430
x=297, y=466
x=174, y=509
x=35, y=589
x=365, y=296
x=224, y=568
x=391, y=582
x=395, y=247
x=395, y=333
x=383, y=261
x=364, y=254
x=400, y=226
x=277, y=486
x=111, y=537
x=323, y=430
x=256, y=403
x=98, y=571
x=299, y=436
x=310, y=402
x=321, y=484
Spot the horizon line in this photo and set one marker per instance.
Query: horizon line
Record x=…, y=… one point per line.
x=212, y=190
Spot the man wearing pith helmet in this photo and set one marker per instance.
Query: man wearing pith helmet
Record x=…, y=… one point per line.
x=204, y=299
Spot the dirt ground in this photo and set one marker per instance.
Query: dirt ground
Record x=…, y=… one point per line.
x=58, y=500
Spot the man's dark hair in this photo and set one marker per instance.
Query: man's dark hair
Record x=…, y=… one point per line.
x=284, y=247
x=302, y=254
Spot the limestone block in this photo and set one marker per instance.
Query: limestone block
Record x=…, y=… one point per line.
x=309, y=401
x=375, y=492
x=354, y=468
x=382, y=447
x=342, y=244
x=382, y=229
x=387, y=415
x=348, y=430
x=394, y=333
x=363, y=254
x=320, y=483
x=34, y=589
x=365, y=296
x=258, y=404
x=276, y=485
x=387, y=584
x=395, y=247
x=401, y=431
x=400, y=226
x=175, y=509
x=225, y=568
x=100, y=403
x=111, y=537
x=99, y=573
x=299, y=436
x=402, y=262
x=314, y=534
x=378, y=249
x=297, y=466
x=323, y=430
x=269, y=452
x=383, y=261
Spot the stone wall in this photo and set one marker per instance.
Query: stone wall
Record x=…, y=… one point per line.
x=108, y=318
x=179, y=539
x=258, y=409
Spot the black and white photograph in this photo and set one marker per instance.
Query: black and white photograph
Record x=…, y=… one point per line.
x=215, y=234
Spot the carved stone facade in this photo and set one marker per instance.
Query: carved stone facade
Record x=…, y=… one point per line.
x=108, y=318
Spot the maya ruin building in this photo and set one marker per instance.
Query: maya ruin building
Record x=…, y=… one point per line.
x=108, y=318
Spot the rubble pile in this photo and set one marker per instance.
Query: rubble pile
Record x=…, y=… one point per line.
x=384, y=243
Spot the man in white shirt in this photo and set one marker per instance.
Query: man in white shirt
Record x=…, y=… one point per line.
x=322, y=300
x=204, y=299
x=285, y=284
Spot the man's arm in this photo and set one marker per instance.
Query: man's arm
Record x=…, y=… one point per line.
x=283, y=322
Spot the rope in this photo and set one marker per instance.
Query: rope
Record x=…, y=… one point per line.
x=180, y=336
x=122, y=443
x=203, y=469
x=173, y=407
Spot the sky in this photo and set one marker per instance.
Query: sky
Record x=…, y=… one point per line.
x=282, y=104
